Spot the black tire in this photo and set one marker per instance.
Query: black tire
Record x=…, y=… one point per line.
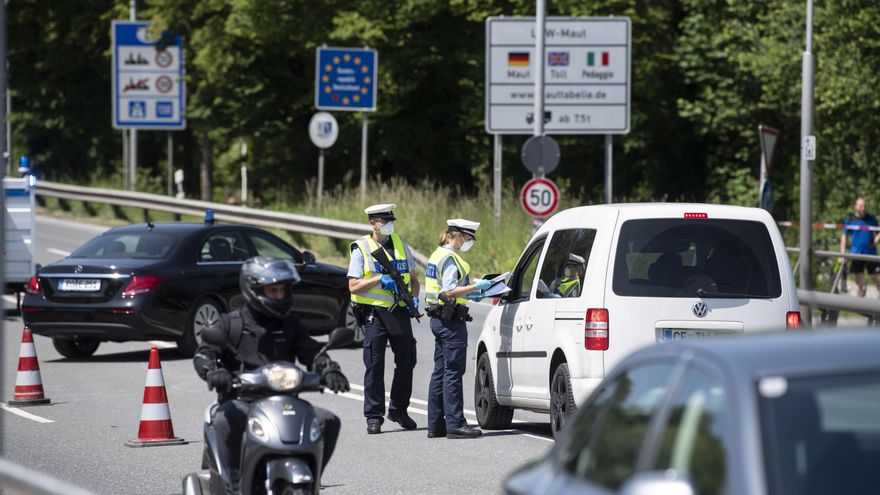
x=348, y=321
x=205, y=311
x=287, y=488
x=490, y=414
x=562, y=404
x=79, y=348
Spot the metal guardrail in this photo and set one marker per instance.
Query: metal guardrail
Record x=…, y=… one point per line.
x=15, y=478
x=337, y=229
x=833, y=301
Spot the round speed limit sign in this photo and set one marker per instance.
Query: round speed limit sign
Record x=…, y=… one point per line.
x=539, y=197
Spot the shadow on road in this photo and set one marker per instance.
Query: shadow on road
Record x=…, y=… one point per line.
x=125, y=357
x=540, y=429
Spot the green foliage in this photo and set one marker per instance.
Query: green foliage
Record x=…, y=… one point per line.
x=705, y=74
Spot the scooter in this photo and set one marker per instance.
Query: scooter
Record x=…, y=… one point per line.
x=283, y=448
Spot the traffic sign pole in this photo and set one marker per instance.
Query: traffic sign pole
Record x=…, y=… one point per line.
x=497, y=180
x=364, y=158
x=539, y=68
x=609, y=166
x=132, y=142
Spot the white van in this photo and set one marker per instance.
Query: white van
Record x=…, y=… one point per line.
x=598, y=282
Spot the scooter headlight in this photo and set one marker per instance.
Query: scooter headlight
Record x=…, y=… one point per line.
x=283, y=378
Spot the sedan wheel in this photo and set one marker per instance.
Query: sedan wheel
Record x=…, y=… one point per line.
x=561, y=399
x=206, y=312
x=79, y=348
x=351, y=322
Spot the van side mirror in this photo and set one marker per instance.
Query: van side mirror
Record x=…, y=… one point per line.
x=309, y=258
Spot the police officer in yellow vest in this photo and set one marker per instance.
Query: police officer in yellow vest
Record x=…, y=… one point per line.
x=378, y=307
x=447, y=289
x=570, y=283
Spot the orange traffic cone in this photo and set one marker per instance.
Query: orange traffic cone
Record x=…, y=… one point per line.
x=28, y=383
x=155, y=428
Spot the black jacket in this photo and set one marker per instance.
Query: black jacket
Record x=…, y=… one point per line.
x=263, y=340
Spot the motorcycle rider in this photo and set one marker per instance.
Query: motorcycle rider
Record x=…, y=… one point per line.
x=261, y=332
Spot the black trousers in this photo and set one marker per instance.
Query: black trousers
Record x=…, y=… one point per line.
x=377, y=335
x=230, y=421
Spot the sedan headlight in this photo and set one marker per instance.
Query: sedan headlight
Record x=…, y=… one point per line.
x=283, y=378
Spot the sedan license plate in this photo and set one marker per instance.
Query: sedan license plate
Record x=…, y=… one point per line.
x=79, y=285
x=671, y=334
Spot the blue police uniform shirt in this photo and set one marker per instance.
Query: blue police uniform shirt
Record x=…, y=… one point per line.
x=450, y=273
x=862, y=240
x=356, y=265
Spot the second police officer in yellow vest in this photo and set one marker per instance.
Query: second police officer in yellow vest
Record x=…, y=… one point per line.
x=377, y=304
x=447, y=288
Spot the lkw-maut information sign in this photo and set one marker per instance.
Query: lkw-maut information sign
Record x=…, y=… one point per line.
x=149, y=91
x=586, y=75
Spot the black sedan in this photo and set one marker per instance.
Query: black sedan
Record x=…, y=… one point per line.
x=167, y=281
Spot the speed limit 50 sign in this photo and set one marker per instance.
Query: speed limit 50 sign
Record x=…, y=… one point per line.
x=540, y=197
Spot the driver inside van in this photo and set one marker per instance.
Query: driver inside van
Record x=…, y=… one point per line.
x=569, y=285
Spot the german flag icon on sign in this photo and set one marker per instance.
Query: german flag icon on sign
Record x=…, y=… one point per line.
x=518, y=59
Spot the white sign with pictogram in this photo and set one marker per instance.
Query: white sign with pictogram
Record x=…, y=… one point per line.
x=586, y=75
x=149, y=91
x=539, y=197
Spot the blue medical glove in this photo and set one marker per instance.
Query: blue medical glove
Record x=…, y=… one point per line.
x=416, y=303
x=475, y=297
x=388, y=283
x=482, y=284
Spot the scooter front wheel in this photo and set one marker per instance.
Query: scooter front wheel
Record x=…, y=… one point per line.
x=287, y=488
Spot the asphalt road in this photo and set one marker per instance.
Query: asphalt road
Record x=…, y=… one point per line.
x=96, y=405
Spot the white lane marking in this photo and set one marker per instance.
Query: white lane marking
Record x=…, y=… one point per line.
x=59, y=252
x=10, y=298
x=23, y=414
x=163, y=344
x=423, y=412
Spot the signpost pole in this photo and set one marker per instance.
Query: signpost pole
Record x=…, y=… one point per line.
x=244, y=181
x=170, y=169
x=320, y=176
x=806, y=204
x=125, y=159
x=609, y=166
x=539, y=68
x=132, y=146
x=364, y=157
x=497, y=180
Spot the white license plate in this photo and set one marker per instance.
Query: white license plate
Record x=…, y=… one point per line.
x=672, y=334
x=79, y=285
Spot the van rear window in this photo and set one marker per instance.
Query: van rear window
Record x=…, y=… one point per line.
x=672, y=257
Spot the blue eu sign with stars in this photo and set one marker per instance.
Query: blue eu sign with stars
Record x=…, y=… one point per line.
x=345, y=79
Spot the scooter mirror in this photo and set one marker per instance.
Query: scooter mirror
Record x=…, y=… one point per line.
x=215, y=336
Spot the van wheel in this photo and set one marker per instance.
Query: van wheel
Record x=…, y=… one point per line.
x=78, y=348
x=490, y=414
x=561, y=399
x=205, y=313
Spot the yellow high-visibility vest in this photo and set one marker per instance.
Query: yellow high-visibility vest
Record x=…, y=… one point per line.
x=434, y=275
x=377, y=296
x=570, y=287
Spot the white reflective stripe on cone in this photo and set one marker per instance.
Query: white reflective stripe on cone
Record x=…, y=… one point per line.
x=28, y=378
x=155, y=412
x=154, y=378
x=27, y=350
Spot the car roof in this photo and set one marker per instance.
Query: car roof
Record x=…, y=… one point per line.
x=799, y=352
x=174, y=227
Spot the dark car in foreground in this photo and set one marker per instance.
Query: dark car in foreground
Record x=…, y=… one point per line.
x=167, y=281
x=784, y=414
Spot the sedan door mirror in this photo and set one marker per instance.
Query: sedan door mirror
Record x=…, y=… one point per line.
x=654, y=482
x=309, y=258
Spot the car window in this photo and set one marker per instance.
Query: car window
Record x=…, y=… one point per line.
x=821, y=433
x=696, y=437
x=671, y=257
x=566, y=263
x=608, y=434
x=524, y=274
x=146, y=244
x=269, y=245
x=223, y=247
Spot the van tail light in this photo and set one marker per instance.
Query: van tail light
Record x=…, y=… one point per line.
x=596, y=330
x=141, y=284
x=33, y=286
x=793, y=319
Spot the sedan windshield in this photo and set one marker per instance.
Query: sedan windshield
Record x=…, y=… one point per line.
x=821, y=434
x=149, y=245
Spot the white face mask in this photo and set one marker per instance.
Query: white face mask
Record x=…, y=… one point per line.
x=387, y=228
x=466, y=246
x=566, y=273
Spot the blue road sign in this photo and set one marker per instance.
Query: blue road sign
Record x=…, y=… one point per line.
x=345, y=79
x=149, y=91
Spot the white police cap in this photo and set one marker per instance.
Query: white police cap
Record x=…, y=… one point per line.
x=381, y=212
x=462, y=225
x=574, y=259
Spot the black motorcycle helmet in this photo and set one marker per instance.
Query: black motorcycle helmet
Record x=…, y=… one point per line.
x=261, y=271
